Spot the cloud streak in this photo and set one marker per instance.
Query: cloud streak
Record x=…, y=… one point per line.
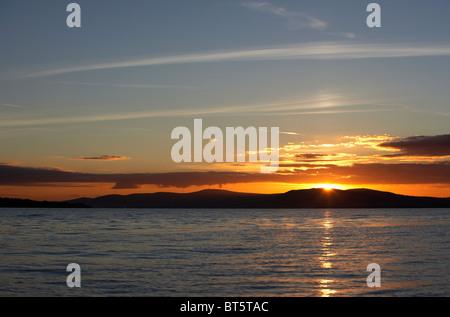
x=307, y=51
x=329, y=104
x=102, y=158
x=293, y=19
x=143, y=86
x=10, y=105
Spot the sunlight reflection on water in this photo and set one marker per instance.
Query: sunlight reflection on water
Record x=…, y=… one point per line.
x=224, y=252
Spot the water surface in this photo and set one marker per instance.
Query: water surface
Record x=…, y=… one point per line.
x=175, y=252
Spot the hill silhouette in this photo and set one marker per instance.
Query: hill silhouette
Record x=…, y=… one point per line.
x=307, y=198
x=27, y=203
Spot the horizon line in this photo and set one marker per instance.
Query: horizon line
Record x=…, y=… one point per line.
x=328, y=190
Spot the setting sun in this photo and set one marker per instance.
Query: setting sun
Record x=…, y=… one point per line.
x=328, y=186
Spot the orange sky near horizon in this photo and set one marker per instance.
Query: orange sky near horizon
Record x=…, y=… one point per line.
x=86, y=114
x=63, y=192
x=416, y=166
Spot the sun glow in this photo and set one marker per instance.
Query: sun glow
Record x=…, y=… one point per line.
x=328, y=186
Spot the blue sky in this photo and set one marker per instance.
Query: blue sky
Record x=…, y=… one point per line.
x=137, y=69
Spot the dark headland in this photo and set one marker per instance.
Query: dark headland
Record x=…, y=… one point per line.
x=27, y=203
x=308, y=198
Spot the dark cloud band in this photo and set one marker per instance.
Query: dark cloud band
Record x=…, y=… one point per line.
x=438, y=145
x=431, y=173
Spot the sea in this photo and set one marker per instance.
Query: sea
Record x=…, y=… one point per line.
x=225, y=252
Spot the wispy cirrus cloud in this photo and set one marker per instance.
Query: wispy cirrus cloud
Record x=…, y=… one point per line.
x=291, y=133
x=326, y=104
x=293, y=19
x=102, y=158
x=306, y=51
x=11, y=105
x=119, y=85
x=348, y=35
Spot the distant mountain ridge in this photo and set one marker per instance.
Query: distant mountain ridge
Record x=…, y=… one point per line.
x=307, y=198
x=27, y=203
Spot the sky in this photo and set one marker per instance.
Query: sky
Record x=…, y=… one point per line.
x=89, y=111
